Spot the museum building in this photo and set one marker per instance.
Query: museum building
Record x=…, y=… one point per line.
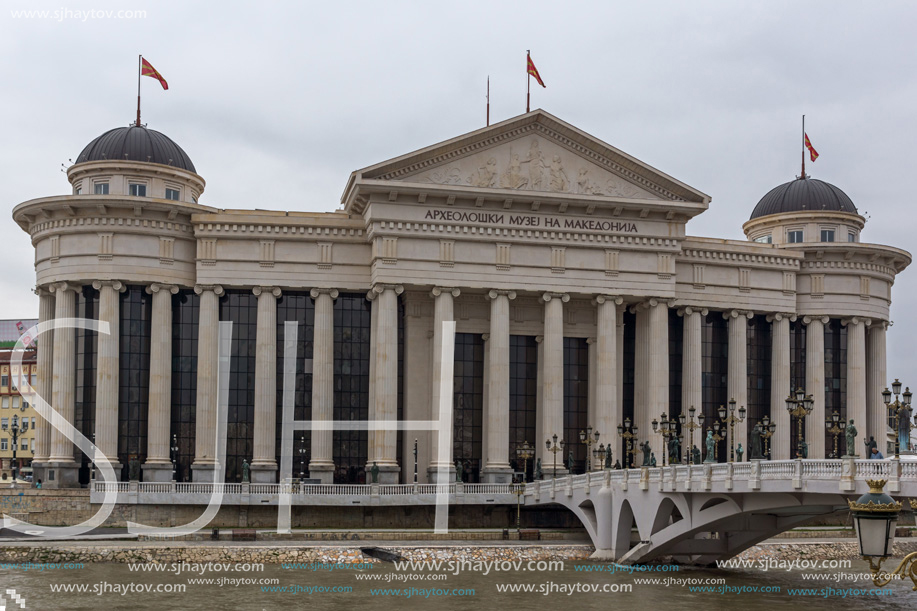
x=579, y=301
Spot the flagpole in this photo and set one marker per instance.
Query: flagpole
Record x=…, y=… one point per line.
x=528, y=81
x=488, y=100
x=803, y=147
x=139, y=72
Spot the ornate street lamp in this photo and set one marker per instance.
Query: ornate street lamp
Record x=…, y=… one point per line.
x=768, y=428
x=173, y=452
x=900, y=405
x=835, y=426
x=302, y=457
x=690, y=425
x=732, y=420
x=554, y=449
x=875, y=515
x=629, y=434
x=587, y=438
x=13, y=431
x=525, y=452
x=602, y=453
x=665, y=427
x=719, y=434
x=799, y=407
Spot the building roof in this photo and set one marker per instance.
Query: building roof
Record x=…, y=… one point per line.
x=803, y=195
x=136, y=144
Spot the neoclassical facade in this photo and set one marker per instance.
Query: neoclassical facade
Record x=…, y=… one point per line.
x=579, y=300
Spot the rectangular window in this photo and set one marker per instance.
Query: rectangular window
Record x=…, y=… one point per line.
x=5, y=402
x=764, y=239
x=32, y=445
x=172, y=194
x=101, y=188
x=851, y=236
x=827, y=235
x=33, y=423
x=15, y=402
x=4, y=444
x=78, y=191
x=137, y=190
x=4, y=380
x=794, y=236
x=24, y=445
x=24, y=424
x=4, y=423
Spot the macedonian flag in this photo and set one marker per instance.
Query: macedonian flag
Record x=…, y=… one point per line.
x=147, y=69
x=533, y=71
x=813, y=155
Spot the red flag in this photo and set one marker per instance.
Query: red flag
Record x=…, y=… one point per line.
x=147, y=69
x=533, y=71
x=813, y=155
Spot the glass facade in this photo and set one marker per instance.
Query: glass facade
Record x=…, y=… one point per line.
x=630, y=354
x=296, y=307
x=676, y=362
x=84, y=412
x=759, y=372
x=576, y=399
x=468, y=406
x=352, y=326
x=797, y=374
x=185, y=314
x=134, y=376
x=523, y=393
x=240, y=307
x=835, y=382
x=715, y=371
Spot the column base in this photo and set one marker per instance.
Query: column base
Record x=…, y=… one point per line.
x=39, y=472
x=61, y=474
x=497, y=475
x=388, y=474
x=448, y=475
x=323, y=473
x=263, y=473
x=157, y=472
x=204, y=473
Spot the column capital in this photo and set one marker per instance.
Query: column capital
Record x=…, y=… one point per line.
x=314, y=293
x=689, y=310
x=810, y=319
x=271, y=290
x=494, y=293
x=564, y=297
x=856, y=320
x=881, y=324
x=539, y=339
x=736, y=313
x=156, y=287
x=215, y=288
x=599, y=299
x=778, y=316
x=590, y=340
x=62, y=287
x=439, y=290
x=42, y=291
x=378, y=289
x=485, y=336
x=115, y=284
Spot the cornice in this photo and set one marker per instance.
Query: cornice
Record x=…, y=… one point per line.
x=698, y=254
x=254, y=230
x=108, y=222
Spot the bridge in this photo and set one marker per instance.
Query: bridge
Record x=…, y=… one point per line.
x=696, y=514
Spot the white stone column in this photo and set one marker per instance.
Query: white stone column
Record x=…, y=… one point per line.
x=264, y=461
x=856, y=383
x=63, y=471
x=737, y=376
x=208, y=365
x=608, y=411
x=692, y=372
x=386, y=380
x=497, y=469
x=641, y=379
x=108, y=358
x=373, y=328
x=321, y=462
x=45, y=361
x=655, y=381
x=158, y=465
x=815, y=384
x=443, y=311
x=619, y=375
x=780, y=386
x=876, y=381
x=553, y=399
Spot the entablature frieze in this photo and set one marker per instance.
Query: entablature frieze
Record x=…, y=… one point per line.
x=726, y=257
x=126, y=224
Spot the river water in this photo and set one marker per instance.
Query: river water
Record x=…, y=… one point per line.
x=112, y=587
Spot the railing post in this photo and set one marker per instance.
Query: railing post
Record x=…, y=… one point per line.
x=894, y=475
x=644, y=478
x=848, y=474
x=708, y=476
x=797, y=473
x=729, y=475
x=754, y=478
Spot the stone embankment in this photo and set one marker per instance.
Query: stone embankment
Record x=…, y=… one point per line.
x=163, y=553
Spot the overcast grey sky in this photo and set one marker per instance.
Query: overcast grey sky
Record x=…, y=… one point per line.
x=277, y=104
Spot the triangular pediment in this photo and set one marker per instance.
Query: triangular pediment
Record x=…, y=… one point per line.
x=534, y=153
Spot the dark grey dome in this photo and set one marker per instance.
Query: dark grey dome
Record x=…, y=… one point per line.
x=803, y=195
x=136, y=144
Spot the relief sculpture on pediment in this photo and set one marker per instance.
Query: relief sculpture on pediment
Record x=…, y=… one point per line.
x=542, y=167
